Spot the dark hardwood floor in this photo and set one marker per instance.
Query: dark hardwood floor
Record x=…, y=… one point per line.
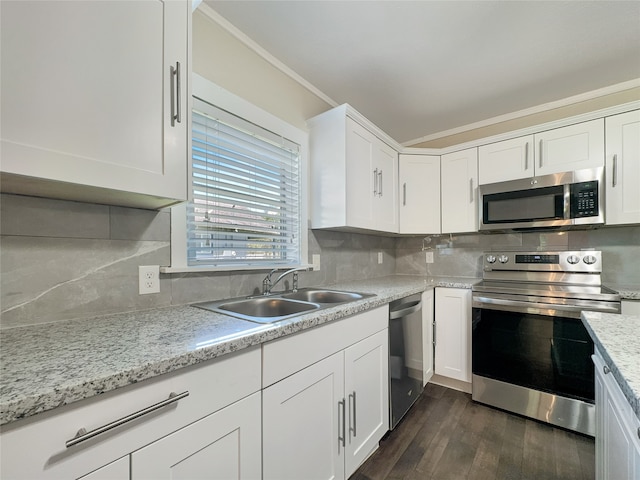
x=448, y=436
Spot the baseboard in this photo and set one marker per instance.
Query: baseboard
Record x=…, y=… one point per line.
x=451, y=383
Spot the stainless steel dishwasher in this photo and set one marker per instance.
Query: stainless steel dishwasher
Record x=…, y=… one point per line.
x=405, y=355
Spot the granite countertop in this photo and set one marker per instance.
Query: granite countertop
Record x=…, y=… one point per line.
x=627, y=292
x=49, y=365
x=617, y=337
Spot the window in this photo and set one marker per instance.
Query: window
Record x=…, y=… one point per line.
x=246, y=180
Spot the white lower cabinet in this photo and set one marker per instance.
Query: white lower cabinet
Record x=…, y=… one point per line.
x=223, y=446
x=323, y=421
x=617, y=428
x=118, y=470
x=428, y=303
x=453, y=333
x=219, y=420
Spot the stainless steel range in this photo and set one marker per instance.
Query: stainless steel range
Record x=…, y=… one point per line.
x=531, y=352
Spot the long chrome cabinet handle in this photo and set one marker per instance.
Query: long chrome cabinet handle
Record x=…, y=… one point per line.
x=380, y=183
x=526, y=156
x=83, y=435
x=404, y=194
x=471, y=190
x=540, y=157
x=352, y=395
x=614, y=180
x=375, y=182
x=341, y=403
x=176, y=114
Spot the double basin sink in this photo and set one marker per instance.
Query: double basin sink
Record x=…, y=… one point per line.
x=276, y=307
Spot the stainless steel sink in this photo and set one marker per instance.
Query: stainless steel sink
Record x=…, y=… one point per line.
x=261, y=309
x=323, y=296
x=273, y=308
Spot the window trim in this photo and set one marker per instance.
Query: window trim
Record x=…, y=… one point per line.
x=216, y=95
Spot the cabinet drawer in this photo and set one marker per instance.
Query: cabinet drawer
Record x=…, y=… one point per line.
x=211, y=385
x=290, y=354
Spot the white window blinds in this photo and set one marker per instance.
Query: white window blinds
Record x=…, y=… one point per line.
x=246, y=193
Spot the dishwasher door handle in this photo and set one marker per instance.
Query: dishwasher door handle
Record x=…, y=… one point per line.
x=405, y=309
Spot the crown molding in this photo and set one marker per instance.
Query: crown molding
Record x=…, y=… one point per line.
x=565, y=102
x=265, y=55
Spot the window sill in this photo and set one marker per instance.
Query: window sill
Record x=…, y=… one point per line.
x=230, y=268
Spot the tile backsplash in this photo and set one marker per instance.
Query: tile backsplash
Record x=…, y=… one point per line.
x=461, y=255
x=62, y=260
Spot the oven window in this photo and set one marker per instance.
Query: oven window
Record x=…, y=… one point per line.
x=524, y=205
x=550, y=354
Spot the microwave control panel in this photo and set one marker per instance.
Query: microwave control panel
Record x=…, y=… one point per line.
x=584, y=199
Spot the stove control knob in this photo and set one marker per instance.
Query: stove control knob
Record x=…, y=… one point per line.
x=573, y=259
x=503, y=259
x=491, y=259
x=589, y=259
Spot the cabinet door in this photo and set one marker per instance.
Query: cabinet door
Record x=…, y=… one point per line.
x=453, y=333
x=419, y=193
x=224, y=445
x=623, y=169
x=385, y=206
x=87, y=97
x=362, y=177
x=508, y=160
x=118, y=470
x=459, y=182
x=570, y=148
x=304, y=424
x=617, y=428
x=367, y=397
x=427, y=334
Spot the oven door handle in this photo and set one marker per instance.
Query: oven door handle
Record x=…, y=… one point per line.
x=536, y=308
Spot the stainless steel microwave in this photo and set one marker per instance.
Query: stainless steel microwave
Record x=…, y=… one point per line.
x=560, y=200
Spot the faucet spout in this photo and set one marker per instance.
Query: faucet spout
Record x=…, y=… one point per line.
x=267, y=285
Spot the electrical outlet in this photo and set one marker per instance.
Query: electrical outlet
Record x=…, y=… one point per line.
x=380, y=258
x=316, y=262
x=148, y=279
x=428, y=257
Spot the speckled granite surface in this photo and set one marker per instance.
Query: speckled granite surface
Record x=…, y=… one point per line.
x=628, y=292
x=618, y=339
x=50, y=365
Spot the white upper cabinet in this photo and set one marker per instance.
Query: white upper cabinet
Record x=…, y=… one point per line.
x=459, y=185
x=565, y=149
x=507, y=160
x=419, y=193
x=623, y=168
x=354, y=175
x=95, y=100
x=570, y=148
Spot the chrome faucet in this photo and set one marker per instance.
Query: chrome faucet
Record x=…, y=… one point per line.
x=267, y=286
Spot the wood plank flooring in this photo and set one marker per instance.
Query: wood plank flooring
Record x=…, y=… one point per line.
x=448, y=436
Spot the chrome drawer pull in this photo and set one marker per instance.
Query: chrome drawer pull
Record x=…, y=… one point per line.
x=606, y=369
x=83, y=435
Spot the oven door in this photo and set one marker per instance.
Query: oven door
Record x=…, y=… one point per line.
x=539, y=351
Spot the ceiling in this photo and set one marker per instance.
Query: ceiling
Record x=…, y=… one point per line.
x=416, y=68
